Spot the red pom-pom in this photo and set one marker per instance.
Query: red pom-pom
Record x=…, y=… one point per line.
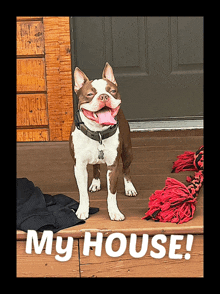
x=173, y=204
x=184, y=162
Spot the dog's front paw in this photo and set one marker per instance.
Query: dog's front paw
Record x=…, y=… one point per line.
x=116, y=215
x=130, y=189
x=82, y=212
x=95, y=185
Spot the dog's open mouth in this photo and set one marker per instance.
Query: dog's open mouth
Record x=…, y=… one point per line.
x=104, y=116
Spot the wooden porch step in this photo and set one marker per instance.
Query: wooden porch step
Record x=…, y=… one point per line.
x=134, y=209
x=49, y=166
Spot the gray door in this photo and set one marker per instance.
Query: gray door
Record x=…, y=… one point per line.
x=157, y=61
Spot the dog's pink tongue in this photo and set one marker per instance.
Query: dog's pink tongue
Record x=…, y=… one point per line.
x=106, y=118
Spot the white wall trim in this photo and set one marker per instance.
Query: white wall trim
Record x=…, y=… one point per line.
x=142, y=126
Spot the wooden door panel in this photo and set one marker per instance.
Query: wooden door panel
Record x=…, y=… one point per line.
x=31, y=75
x=44, y=79
x=30, y=38
x=31, y=110
x=186, y=44
x=190, y=40
x=89, y=43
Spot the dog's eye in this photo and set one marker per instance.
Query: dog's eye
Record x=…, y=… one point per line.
x=90, y=94
x=113, y=91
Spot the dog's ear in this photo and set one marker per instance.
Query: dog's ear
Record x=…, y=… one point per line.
x=108, y=73
x=80, y=78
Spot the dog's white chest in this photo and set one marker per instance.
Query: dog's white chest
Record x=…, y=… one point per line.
x=90, y=151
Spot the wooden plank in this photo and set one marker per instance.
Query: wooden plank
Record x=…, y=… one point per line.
x=30, y=38
x=164, y=155
x=106, y=266
x=146, y=266
x=134, y=209
x=54, y=160
x=168, y=133
x=43, y=265
x=59, y=76
x=31, y=110
x=49, y=166
x=22, y=18
x=187, y=141
x=31, y=75
x=32, y=135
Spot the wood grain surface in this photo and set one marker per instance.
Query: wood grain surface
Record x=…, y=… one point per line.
x=44, y=79
x=49, y=166
x=59, y=77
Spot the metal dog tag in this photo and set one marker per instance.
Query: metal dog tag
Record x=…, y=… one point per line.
x=100, y=151
x=101, y=154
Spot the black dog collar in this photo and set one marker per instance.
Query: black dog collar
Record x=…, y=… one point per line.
x=97, y=136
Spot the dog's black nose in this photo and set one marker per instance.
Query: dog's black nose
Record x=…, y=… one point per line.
x=104, y=97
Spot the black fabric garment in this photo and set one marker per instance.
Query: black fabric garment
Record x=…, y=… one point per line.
x=39, y=212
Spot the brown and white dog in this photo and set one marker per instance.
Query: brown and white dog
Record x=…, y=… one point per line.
x=97, y=136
